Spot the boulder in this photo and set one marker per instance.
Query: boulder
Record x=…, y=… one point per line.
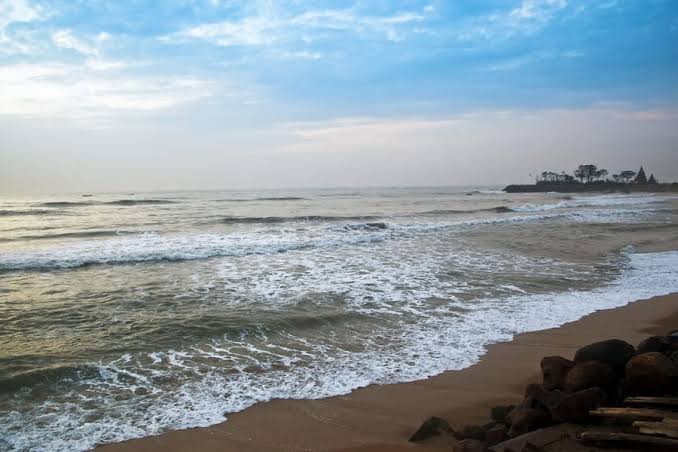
x=554, y=369
x=431, y=427
x=613, y=352
x=592, y=374
x=524, y=420
x=650, y=374
x=568, y=407
x=674, y=357
x=496, y=434
x=659, y=344
x=470, y=445
x=575, y=407
x=471, y=432
x=500, y=413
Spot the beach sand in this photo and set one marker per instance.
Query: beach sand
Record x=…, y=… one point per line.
x=382, y=418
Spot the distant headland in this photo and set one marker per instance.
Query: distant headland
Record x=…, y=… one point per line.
x=590, y=178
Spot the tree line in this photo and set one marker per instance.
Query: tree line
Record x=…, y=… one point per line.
x=590, y=174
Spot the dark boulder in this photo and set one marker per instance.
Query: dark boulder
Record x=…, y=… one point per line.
x=674, y=357
x=592, y=374
x=496, y=434
x=431, y=427
x=525, y=420
x=554, y=369
x=613, y=352
x=470, y=445
x=568, y=407
x=650, y=374
x=500, y=413
x=659, y=344
x=471, y=432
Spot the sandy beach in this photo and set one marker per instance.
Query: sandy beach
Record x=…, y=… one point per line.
x=380, y=418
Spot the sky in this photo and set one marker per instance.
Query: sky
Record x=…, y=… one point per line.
x=207, y=94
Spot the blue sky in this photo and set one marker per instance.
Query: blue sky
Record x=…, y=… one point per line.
x=264, y=76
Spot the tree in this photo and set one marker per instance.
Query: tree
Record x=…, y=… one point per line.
x=601, y=173
x=626, y=176
x=586, y=173
x=652, y=180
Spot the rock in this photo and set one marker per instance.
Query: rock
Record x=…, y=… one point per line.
x=554, y=369
x=674, y=357
x=566, y=407
x=613, y=352
x=650, y=374
x=470, y=445
x=592, y=374
x=524, y=420
x=496, y=434
x=499, y=413
x=575, y=407
x=431, y=427
x=471, y=432
x=660, y=344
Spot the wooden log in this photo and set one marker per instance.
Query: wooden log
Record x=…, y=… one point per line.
x=644, y=440
x=634, y=414
x=662, y=401
x=667, y=429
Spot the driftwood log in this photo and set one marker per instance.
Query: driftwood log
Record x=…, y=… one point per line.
x=660, y=401
x=634, y=414
x=627, y=438
x=668, y=429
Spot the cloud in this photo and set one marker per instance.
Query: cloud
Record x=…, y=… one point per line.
x=64, y=39
x=502, y=130
x=528, y=17
x=74, y=92
x=16, y=12
x=265, y=28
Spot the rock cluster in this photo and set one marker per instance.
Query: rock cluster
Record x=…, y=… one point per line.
x=600, y=375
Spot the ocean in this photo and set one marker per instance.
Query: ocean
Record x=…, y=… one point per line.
x=129, y=314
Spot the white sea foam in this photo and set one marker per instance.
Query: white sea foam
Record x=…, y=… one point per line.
x=157, y=247
x=440, y=339
x=611, y=200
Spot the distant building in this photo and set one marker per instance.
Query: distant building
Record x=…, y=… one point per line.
x=652, y=180
x=641, y=178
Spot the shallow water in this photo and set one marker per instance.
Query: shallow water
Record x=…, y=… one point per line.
x=127, y=315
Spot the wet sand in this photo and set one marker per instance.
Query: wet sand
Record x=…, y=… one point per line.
x=381, y=418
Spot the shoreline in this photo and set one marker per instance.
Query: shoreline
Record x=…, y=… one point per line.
x=379, y=418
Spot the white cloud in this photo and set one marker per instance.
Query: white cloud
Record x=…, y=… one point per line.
x=16, y=12
x=64, y=39
x=267, y=27
x=68, y=91
x=528, y=17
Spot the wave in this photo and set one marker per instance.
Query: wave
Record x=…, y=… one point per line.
x=79, y=234
x=18, y=213
x=292, y=219
x=153, y=248
x=271, y=198
x=65, y=204
x=498, y=209
x=134, y=202
x=46, y=374
x=158, y=248
x=593, y=201
x=120, y=202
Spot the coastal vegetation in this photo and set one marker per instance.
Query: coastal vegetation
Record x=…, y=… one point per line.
x=588, y=177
